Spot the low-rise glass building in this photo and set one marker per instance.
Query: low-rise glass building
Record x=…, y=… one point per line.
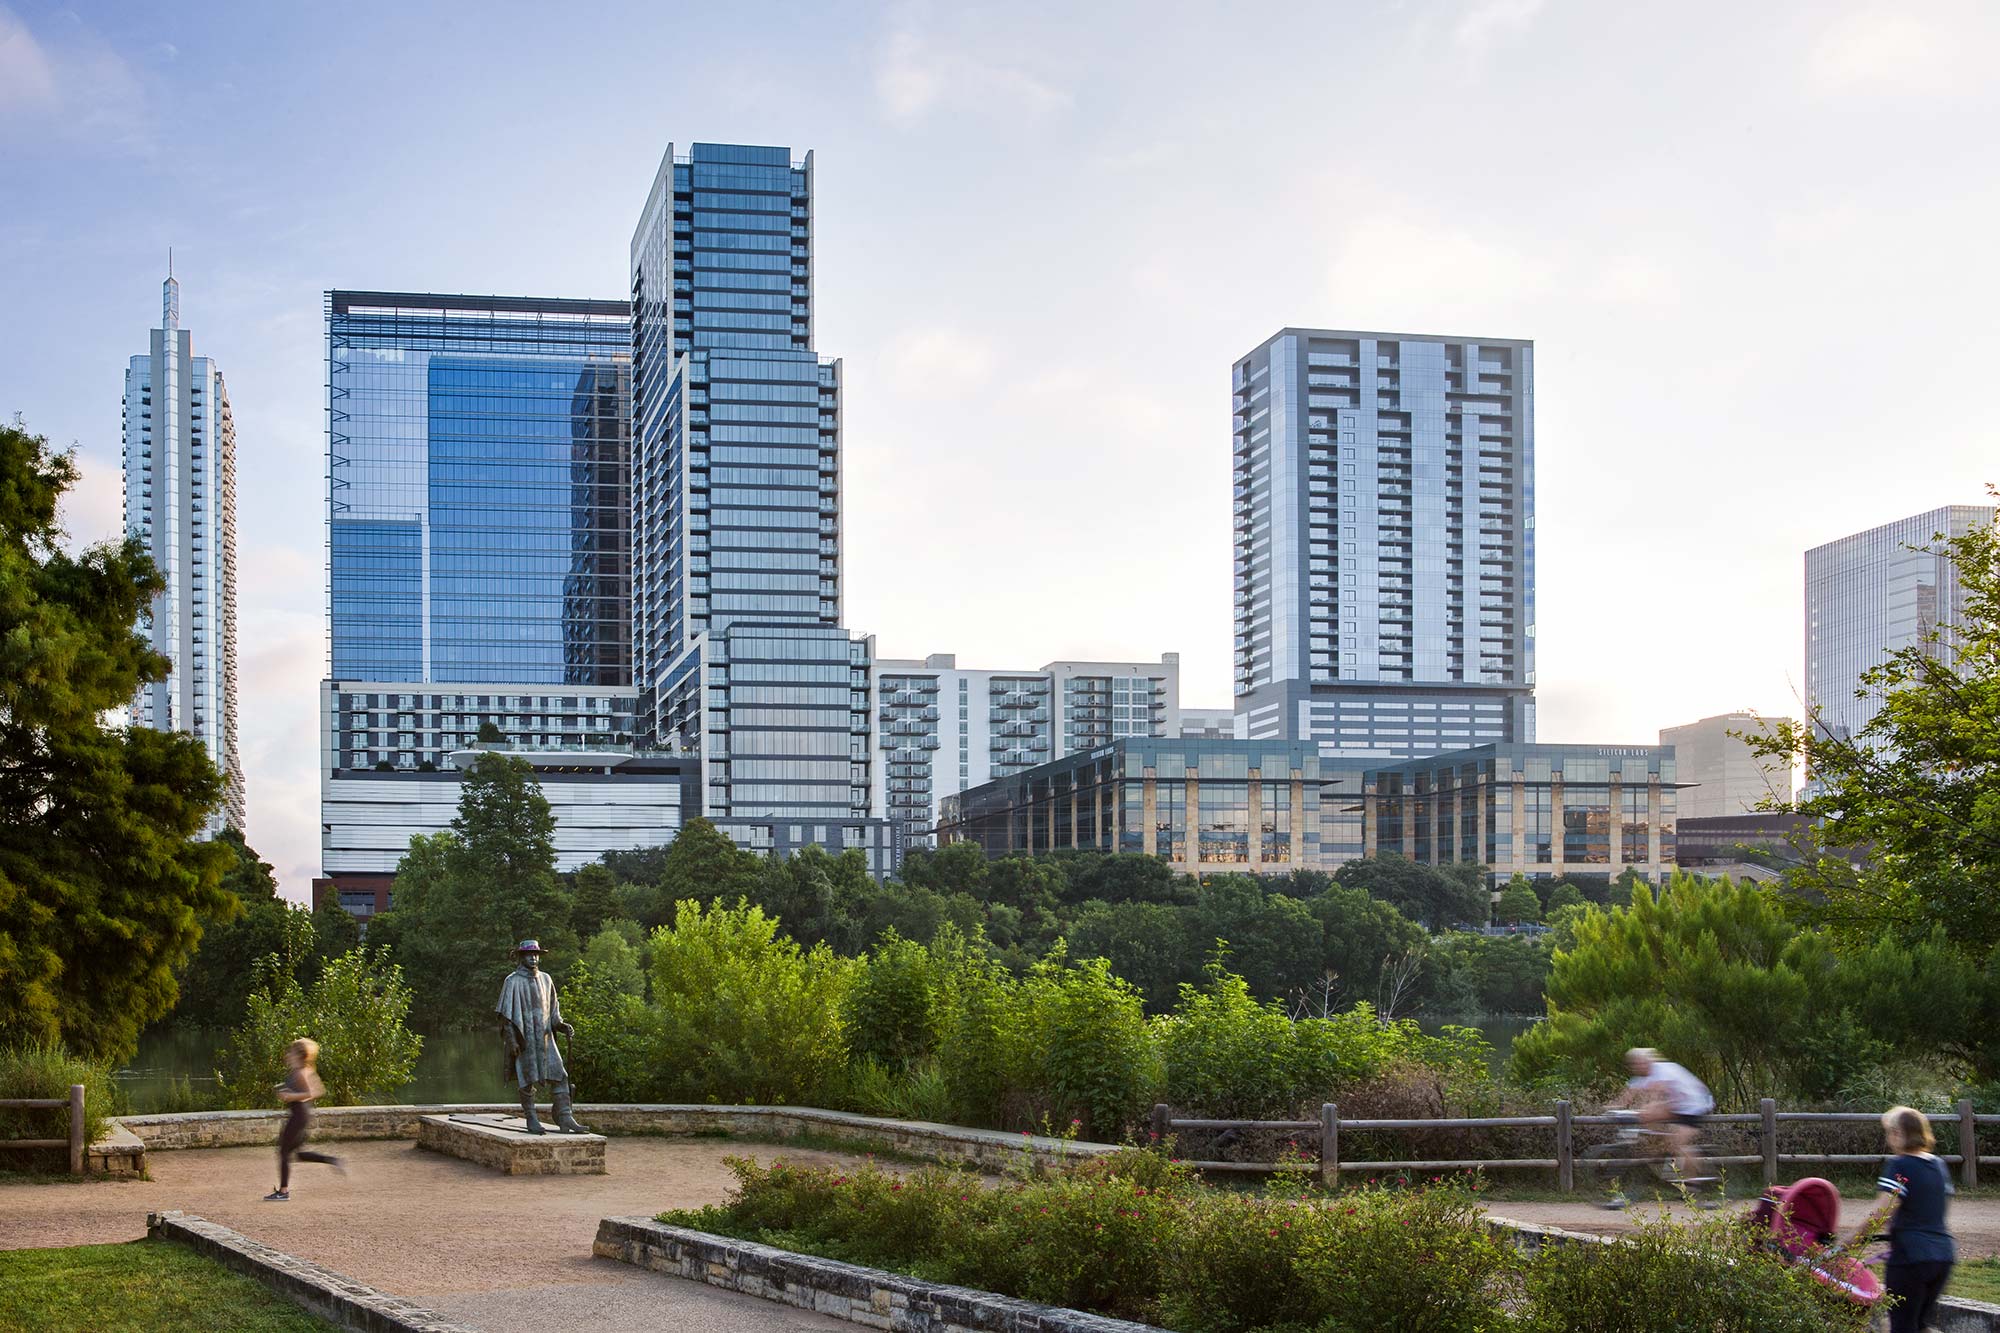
x=1203, y=805
x=1569, y=811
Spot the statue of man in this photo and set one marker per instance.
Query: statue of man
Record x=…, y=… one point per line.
x=529, y=1020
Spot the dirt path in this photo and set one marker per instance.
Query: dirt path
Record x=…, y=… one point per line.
x=1975, y=1222
x=499, y=1252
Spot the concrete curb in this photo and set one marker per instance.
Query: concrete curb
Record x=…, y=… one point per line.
x=339, y=1300
x=1957, y=1315
x=990, y=1148
x=868, y=1296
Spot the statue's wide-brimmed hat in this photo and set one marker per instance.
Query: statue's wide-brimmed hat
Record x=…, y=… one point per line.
x=529, y=946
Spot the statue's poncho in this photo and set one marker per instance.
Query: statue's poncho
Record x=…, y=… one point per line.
x=528, y=1001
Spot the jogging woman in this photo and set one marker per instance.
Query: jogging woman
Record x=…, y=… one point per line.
x=298, y=1090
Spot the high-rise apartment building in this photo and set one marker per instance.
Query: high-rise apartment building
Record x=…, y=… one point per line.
x=1874, y=592
x=479, y=569
x=1721, y=775
x=1384, y=556
x=942, y=728
x=739, y=649
x=180, y=502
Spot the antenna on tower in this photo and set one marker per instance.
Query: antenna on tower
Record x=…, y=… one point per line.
x=170, y=261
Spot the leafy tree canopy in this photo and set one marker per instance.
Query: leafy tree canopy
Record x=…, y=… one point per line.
x=102, y=886
x=1439, y=896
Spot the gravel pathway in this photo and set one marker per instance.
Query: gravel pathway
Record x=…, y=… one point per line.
x=502, y=1253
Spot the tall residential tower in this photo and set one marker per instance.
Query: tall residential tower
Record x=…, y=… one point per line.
x=1385, y=555
x=180, y=502
x=739, y=650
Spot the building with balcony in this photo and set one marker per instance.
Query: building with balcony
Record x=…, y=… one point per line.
x=1720, y=775
x=1209, y=724
x=1872, y=593
x=942, y=728
x=1204, y=806
x=1560, y=811
x=1384, y=541
x=180, y=505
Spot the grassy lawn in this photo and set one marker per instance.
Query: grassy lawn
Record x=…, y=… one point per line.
x=140, y=1287
x=1976, y=1280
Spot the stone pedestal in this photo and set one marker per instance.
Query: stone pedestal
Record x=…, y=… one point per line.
x=503, y=1143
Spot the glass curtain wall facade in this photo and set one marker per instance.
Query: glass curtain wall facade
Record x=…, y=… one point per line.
x=1204, y=806
x=1558, y=811
x=1384, y=554
x=1874, y=592
x=738, y=482
x=479, y=465
x=180, y=503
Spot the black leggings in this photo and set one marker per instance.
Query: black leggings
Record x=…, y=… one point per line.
x=1916, y=1288
x=298, y=1123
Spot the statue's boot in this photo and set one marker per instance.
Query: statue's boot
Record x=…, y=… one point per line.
x=528, y=1112
x=563, y=1117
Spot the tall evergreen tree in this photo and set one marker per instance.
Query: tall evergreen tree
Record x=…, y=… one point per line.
x=102, y=884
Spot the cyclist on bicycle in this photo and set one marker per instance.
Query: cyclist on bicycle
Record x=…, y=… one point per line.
x=1670, y=1100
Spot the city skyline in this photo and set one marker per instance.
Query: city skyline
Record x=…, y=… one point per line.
x=1088, y=325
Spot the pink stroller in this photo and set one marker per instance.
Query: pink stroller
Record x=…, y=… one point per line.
x=1802, y=1220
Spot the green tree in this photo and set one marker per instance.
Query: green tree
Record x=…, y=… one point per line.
x=1518, y=903
x=218, y=979
x=466, y=896
x=103, y=887
x=958, y=867
x=593, y=899
x=1562, y=895
x=1360, y=936
x=1145, y=942
x=355, y=1010
x=1438, y=896
x=614, y=961
x=699, y=865
x=818, y=896
x=490, y=733
x=1919, y=786
x=1274, y=943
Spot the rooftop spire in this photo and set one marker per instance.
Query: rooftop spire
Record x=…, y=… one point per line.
x=170, y=296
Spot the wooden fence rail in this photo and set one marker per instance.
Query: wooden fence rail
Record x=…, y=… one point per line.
x=1325, y=1133
x=75, y=1140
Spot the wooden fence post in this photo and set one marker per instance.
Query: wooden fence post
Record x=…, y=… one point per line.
x=1768, y=1137
x=77, y=1127
x=1565, y=1149
x=1968, y=1143
x=1329, y=1145
x=1162, y=1120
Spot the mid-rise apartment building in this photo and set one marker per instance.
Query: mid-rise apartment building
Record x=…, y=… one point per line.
x=941, y=728
x=180, y=503
x=1384, y=541
x=1871, y=593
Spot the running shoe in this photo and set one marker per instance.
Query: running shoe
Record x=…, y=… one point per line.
x=278, y=1196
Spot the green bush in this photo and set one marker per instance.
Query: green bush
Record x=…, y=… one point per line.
x=1670, y=1276
x=1090, y=1051
x=618, y=1053
x=891, y=1018
x=37, y=1070
x=746, y=1014
x=355, y=1010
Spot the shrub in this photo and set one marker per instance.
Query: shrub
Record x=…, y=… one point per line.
x=619, y=1051
x=746, y=1014
x=355, y=1011
x=1418, y=1261
x=1090, y=1050
x=891, y=1018
x=38, y=1071
x=1670, y=1276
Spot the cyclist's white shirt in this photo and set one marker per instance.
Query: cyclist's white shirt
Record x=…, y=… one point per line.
x=1683, y=1093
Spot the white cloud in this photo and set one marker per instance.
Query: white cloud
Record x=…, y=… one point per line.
x=94, y=509
x=1485, y=21
x=1639, y=280
x=938, y=362
x=1885, y=50
x=1397, y=271
x=919, y=74
x=27, y=79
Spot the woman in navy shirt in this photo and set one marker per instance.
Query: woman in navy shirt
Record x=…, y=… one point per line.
x=1920, y=1249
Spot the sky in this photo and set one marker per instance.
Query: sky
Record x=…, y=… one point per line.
x=1754, y=245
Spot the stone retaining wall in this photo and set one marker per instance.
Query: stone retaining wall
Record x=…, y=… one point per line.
x=868, y=1296
x=986, y=1148
x=339, y=1300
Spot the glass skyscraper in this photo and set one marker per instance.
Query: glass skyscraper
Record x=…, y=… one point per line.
x=180, y=502
x=1874, y=592
x=1384, y=542
x=738, y=647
